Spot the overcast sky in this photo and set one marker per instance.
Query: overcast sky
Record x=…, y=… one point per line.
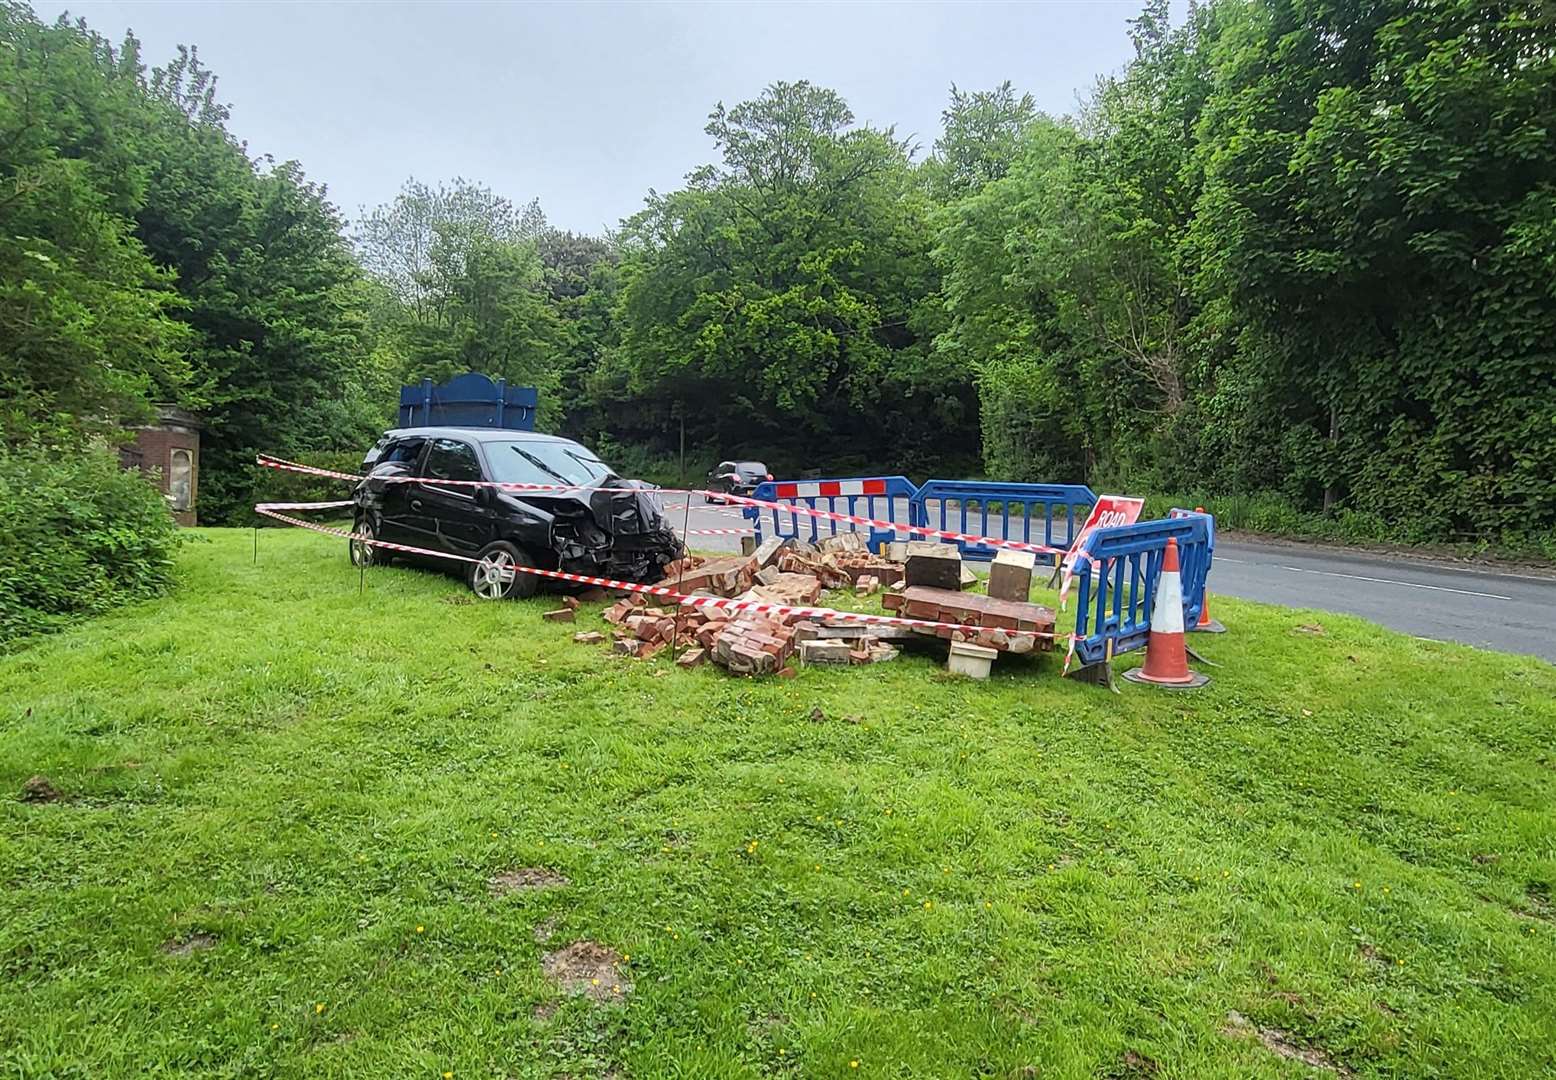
x=587, y=106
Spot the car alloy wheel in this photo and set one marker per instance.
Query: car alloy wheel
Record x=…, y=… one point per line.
x=363, y=551
x=498, y=573
x=493, y=575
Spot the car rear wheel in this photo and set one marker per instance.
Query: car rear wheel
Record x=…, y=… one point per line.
x=494, y=577
x=363, y=551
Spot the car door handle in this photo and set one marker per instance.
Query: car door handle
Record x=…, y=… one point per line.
x=415, y=504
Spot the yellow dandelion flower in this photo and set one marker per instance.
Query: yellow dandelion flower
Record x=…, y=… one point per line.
x=987, y=904
x=594, y=982
x=780, y=1051
x=275, y=1027
x=818, y=866
x=928, y=904
x=1355, y=884
x=420, y=929
x=854, y=1064
x=904, y=892
x=448, y=1076
x=317, y=1009
x=616, y=989
x=625, y=957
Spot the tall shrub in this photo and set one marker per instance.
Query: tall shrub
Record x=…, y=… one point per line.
x=77, y=536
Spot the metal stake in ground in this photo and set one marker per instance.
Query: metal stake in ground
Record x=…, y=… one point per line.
x=686, y=521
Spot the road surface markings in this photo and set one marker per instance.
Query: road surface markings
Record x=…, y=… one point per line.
x=1391, y=581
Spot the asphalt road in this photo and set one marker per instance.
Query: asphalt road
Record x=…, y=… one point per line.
x=1508, y=611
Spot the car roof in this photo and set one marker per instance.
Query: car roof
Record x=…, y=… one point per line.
x=474, y=434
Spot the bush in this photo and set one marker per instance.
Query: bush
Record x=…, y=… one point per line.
x=78, y=535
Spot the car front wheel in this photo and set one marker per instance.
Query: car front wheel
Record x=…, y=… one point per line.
x=494, y=576
x=363, y=551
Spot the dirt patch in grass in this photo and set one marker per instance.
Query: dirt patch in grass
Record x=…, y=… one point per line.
x=1373, y=954
x=1133, y=1065
x=544, y=1011
x=589, y=968
x=1537, y=897
x=1283, y=1043
x=524, y=879
x=197, y=942
x=544, y=929
x=38, y=789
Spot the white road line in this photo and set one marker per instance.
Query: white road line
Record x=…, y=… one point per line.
x=1391, y=581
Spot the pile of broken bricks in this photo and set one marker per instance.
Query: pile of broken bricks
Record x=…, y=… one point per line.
x=919, y=580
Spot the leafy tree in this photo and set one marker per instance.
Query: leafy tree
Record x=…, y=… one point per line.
x=87, y=328
x=1377, y=214
x=463, y=269
x=780, y=298
x=981, y=134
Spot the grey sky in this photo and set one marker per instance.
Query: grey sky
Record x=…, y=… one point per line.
x=587, y=106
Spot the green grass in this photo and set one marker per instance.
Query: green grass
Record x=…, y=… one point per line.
x=1348, y=837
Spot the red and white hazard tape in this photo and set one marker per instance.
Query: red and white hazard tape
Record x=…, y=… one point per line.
x=306, y=505
x=760, y=607
x=716, y=532
x=782, y=508
x=917, y=530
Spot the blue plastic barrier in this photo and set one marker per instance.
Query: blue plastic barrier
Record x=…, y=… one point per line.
x=1048, y=514
x=1116, y=607
x=469, y=400
x=883, y=498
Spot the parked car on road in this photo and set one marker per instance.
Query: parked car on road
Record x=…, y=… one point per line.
x=736, y=477
x=418, y=492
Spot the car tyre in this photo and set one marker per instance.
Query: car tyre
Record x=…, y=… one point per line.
x=492, y=576
x=365, y=554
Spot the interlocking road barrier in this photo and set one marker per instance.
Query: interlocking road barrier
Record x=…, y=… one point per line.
x=1046, y=514
x=1117, y=571
x=885, y=500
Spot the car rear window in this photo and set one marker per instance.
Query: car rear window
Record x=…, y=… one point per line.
x=544, y=463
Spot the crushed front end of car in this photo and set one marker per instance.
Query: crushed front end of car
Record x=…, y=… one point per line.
x=618, y=530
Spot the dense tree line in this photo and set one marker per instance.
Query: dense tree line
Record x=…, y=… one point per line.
x=1305, y=247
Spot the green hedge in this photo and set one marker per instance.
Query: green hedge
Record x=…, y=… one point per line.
x=78, y=535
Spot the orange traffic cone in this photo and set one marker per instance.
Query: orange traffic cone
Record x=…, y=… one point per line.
x=1206, y=624
x=1166, y=658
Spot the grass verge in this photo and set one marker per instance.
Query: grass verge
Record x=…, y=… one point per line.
x=282, y=807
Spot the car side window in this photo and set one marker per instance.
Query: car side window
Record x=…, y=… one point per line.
x=405, y=450
x=450, y=459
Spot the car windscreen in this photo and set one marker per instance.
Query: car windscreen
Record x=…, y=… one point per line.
x=753, y=468
x=544, y=463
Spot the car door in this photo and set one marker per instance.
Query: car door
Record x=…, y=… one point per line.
x=451, y=517
x=401, y=457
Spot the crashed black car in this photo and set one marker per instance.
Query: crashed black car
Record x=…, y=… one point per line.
x=607, y=527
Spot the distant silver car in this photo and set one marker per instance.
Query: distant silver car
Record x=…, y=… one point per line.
x=736, y=477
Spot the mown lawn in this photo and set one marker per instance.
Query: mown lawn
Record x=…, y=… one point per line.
x=283, y=802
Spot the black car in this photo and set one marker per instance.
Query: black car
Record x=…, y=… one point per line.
x=737, y=477
x=619, y=532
